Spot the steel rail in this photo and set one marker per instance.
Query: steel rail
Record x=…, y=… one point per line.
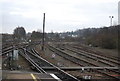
x=64, y=75
x=92, y=57
x=32, y=62
x=83, y=60
x=101, y=56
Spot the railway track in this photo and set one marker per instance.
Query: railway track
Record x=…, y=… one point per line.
x=7, y=50
x=79, y=54
x=79, y=61
x=5, y=45
x=39, y=62
x=35, y=60
x=7, y=53
x=99, y=59
x=90, y=50
x=70, y=58
x=4, y=54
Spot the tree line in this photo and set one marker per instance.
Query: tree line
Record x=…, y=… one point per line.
x=105, y=37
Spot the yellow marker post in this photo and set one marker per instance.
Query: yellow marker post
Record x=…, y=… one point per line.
x=34, y=78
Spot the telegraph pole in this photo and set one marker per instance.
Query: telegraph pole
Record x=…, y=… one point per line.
x=43, y=39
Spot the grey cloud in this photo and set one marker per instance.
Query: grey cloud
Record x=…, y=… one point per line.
x=96, y=13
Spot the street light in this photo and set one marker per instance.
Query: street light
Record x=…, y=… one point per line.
x=111, y=17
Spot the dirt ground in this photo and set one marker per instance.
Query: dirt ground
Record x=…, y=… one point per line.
x=23, y=64
x=108, y=52
x=54, y=58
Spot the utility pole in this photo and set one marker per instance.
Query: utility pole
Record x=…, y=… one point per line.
x=111, y=17
x=43, y=39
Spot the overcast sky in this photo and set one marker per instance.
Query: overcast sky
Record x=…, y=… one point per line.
x=61, y=15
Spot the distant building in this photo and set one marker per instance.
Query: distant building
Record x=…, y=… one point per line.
x=119, y=12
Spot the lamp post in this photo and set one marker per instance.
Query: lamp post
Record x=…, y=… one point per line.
x=111, y=17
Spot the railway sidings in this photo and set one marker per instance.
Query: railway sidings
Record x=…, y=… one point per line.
x=67, y=62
